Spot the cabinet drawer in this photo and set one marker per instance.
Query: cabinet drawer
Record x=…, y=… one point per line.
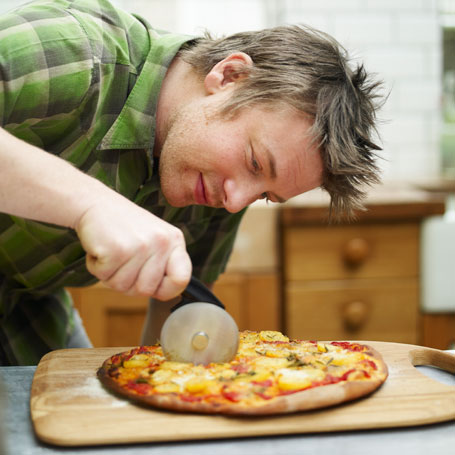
x=355, y=251
x=379, y=310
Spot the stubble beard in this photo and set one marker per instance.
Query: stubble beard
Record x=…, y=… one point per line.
x=175, y=158
x=178, y=155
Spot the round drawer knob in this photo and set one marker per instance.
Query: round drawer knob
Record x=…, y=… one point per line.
x=356, y=251
x=355, y=315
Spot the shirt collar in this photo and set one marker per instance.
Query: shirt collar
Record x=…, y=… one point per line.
x=134, y=128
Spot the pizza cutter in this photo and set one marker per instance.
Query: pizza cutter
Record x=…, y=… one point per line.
x=199, y=329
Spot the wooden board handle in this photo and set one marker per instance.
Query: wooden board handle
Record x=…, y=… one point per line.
x=433, y=357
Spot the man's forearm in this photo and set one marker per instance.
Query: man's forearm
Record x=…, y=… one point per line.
x=37, y=185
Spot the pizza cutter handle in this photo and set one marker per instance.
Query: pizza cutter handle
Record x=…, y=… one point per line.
x=196, y=291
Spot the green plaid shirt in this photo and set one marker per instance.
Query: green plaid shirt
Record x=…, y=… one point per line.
x=80, y=79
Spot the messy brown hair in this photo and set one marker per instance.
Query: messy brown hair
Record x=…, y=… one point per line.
x=309, y=70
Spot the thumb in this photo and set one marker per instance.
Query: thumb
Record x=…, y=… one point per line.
x=177, y=274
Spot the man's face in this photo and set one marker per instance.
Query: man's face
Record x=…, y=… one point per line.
x=218, y=162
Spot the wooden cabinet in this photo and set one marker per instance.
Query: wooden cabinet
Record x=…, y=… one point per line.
x=110, y=318
x=351, y=252
x=438, y=330
x=357, y=281
x=332, y=293
x=251, y=298
x=114, y=319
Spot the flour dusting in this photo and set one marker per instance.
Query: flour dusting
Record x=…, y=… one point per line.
x=93, y=388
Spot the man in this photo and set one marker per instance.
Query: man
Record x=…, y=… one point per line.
x=129, y=156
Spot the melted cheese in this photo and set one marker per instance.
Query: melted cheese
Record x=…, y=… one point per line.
x=291, y=379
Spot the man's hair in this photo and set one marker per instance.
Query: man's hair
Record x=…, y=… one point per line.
x=309, y=70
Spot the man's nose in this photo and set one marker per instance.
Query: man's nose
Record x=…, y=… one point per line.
x=238, y=195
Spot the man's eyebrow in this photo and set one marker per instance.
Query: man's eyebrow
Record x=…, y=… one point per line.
x=272, y=167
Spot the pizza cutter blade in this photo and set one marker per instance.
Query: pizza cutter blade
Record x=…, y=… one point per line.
x=199, y=332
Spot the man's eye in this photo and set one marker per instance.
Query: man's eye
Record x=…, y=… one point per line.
x=255, y=164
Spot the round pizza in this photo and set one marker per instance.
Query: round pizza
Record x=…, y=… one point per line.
x=270, y=374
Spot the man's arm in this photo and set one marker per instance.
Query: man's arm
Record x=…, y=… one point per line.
x=127, y=247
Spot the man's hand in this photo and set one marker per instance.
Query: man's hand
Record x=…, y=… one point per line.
x=133, y=251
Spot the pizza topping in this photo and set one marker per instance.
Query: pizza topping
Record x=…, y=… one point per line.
x=226, y=374
x=116, y=359
x=298, y=379
x=240, y=367
x=169, y=387
x=138, y=360
x=140, y=388
x=161, y=376
x=369, y=363
x=341, y=358
x=348, y=346
x=265, y=383
x=174, y=366
x=271, y=362
x=198, y=384
x=232, y=395
x=261, y=375
x=272, y=336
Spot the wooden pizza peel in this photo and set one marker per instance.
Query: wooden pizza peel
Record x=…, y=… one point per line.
x=69, y=406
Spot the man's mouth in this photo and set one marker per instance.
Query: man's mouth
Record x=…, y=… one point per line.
x=200, y=195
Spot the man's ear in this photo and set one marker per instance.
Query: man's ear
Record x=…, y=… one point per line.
x=227, y=72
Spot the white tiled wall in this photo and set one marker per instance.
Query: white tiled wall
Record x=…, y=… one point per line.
x=195, y=16
x=398, y=40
